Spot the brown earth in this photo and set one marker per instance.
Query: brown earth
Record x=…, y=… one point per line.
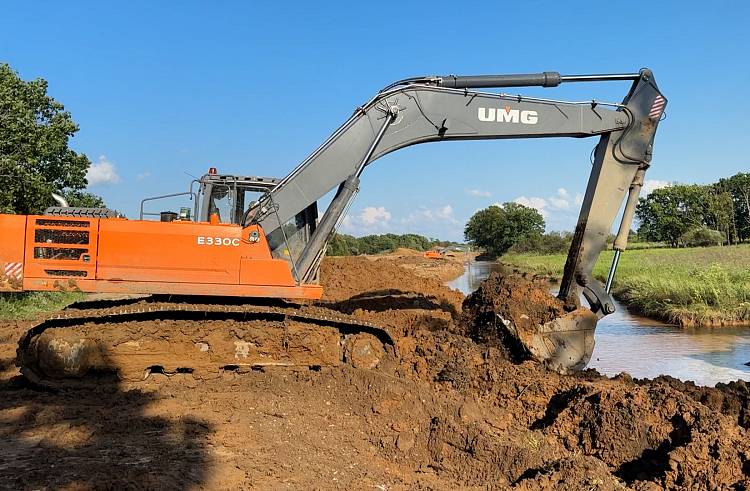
x=524, y=302
x=451, y=413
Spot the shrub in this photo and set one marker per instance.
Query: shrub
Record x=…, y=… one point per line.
x=701, y=237
x=550, y=243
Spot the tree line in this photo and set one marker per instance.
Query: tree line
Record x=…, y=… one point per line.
x=686, y=215
x=696, y=214
x=348, y=245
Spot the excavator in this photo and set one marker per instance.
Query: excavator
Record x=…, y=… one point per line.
x=230, y=283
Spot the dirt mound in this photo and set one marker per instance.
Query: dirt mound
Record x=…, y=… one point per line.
x=513, y=297
x=355, y=283
x=405, y=251
x=508, y=298
x=732, y=399
x=450, y=413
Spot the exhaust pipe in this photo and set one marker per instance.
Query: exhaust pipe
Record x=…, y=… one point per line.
x=60, y=200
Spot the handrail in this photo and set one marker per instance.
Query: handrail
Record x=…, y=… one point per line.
x=173, y=195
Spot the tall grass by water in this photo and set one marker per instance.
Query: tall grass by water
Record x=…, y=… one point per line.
x=707, y=286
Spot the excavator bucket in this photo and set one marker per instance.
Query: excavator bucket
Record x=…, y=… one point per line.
x=520, y=315
x=564, y=344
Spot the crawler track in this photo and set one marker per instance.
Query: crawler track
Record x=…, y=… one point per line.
x=129, y=339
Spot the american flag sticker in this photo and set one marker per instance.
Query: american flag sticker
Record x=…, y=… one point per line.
x=657, y=107
x=14, y=270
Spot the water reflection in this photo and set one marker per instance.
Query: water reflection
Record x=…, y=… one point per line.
x=647, y=348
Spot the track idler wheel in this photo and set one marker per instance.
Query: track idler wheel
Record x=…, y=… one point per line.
x=363, y=351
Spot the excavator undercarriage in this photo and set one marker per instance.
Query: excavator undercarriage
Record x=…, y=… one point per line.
x=132, y=338
x=258, y=239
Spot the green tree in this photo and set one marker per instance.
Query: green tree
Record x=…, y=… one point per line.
x=347, y=245
x=739, y=187
x=667, y=213
x=550, y=243
x=35, y=159
x=83, y=199
x=720, y=214
x=497, y=228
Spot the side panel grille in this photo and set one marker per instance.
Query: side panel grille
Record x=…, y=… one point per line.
x=65, y=272
x=59, y=253
x=61, y=247
x=53, y=236
x=44, y=222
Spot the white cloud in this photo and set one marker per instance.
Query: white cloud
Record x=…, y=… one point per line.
x=560, y=210
x=439, y=221
x=478, y=193
x=650, y=185
x=102, y=172
x=540, y=204
x=373, y=216
x=561, y=201
x=369, y=220
x=143, y=175
x=443, y=214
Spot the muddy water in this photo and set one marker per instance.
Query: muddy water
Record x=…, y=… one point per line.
x=646, y=348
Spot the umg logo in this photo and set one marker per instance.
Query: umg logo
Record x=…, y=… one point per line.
x=507, y=115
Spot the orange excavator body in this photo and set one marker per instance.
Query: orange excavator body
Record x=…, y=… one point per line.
x=433, y=255
x=113, y=255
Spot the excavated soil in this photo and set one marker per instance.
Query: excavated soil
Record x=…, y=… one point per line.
x=452, y=413
x=526, y=303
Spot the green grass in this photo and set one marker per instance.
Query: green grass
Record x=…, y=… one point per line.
x=29, y=305
x=707, y=286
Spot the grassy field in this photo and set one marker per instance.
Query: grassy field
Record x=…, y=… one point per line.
x=707, y=286
x=29, y=305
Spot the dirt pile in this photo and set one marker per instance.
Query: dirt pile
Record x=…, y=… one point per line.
x=346, y=277
x=405, y=251
x=444, y=268
x=522, y=301
x=732, y=399
x=384, y=293
x=450, y=413
x=522, y=426
x=518, y=315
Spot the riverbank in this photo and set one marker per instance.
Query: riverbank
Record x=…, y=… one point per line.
x=708, y=286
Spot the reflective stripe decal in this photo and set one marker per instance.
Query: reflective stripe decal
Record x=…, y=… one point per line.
x=657, y=107
x=14, y=270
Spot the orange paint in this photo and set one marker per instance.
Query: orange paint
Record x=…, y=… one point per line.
x=133, y=256
x=12, y=231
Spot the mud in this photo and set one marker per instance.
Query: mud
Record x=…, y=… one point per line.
x=453, y=413
x=522, y=301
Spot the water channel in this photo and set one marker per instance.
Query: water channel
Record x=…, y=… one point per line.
x=647, y=348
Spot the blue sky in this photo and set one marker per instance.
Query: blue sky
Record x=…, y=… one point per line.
x=161, y=89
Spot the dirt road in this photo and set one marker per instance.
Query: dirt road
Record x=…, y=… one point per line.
x=449, y=414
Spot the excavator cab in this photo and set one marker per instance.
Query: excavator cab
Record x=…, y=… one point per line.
x=231, y=199
x=225, y=195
